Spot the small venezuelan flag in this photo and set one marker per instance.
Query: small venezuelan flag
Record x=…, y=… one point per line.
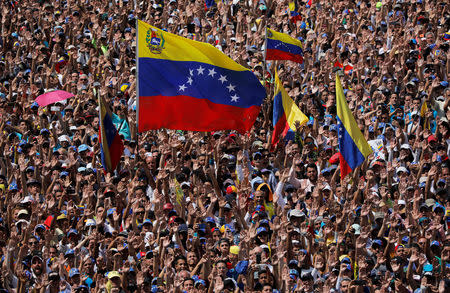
x=423, y=112
x=189, y=85
x=285, y=113
x=353, y=147
x=294, y=15
x=281, y=46
x=111, y=143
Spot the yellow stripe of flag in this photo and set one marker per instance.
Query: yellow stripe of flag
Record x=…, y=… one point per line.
x=177, y=48
x=292, y=112
x=285, y=38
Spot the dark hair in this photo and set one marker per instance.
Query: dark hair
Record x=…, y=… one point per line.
x=311, y=165
x=221, y=261
x=188, y=279
x=224, y=240
x=174, y=262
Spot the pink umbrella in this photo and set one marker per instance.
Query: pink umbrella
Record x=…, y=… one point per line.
x=53, y=97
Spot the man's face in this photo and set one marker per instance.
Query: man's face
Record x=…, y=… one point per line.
x=33, y=244
x=188, y=285
x=222, y=269
x=308, y=284
x=115, y=282
x=224, y=247
x=311, y=173
x=53, y=252
x=140, y=214
x=267, y=289
x=139, y=193
x=445, y=173
x=297, y=221
x=29, y=174
x=407, y=99
x=23, y=126
x=36, y=265
x=263, y=278
x=345, y=286
x=259, y=198
x=295, y=149
x=394, y=99
x=33, y=189
x=257, y=161
x=401, y=251
x=151, y=162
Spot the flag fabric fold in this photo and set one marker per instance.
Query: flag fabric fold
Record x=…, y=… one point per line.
x=111, y=149
x=423, y=112
x=281, y=46
x=353, y=147
x=189, y=85
x=348, y=69
x=285, y=113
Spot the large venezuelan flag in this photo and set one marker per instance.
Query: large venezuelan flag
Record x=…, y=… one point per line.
x=189, y=85
x=281, y=46
x=353, y=147
x=285, y=113
x=111, y=144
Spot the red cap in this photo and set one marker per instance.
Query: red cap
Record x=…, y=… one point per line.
x=108, y=190
x=431, y=138
x=334, y=159
x=378, y=163
x=168, y=206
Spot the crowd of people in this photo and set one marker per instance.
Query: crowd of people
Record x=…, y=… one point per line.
x=223, y=211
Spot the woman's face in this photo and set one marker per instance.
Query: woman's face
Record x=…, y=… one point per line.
x=192, y=258
x=180, y=265
x=88, y=266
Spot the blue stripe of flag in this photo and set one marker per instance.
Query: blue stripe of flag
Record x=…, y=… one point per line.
x=282, y=46
x=278, y=110
x=110, y=129
x=348, y=148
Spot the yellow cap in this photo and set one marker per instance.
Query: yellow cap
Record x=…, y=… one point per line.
x=113, y=274
x=61, y=217
x=234, y=249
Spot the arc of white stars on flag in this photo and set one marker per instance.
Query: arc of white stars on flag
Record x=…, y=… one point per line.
x=211, y=72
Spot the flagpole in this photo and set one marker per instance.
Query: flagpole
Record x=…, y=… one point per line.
x=265, y=55
x=137, y=81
